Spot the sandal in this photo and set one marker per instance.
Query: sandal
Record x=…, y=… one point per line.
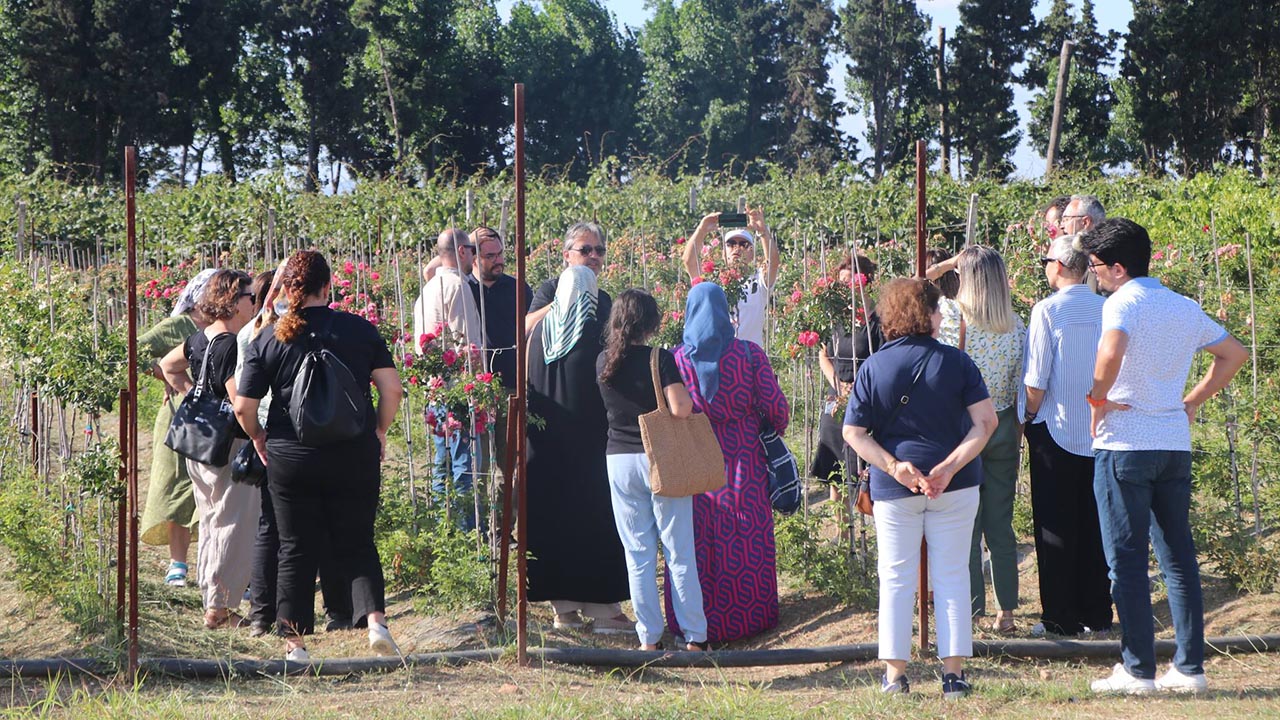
x=177, y=576
x=703, y=646
x=215, y=619
x=1004, y=626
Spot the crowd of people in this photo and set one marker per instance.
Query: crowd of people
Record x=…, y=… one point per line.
x=937, y=380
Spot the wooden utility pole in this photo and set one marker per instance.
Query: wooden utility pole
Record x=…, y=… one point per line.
x=1059, y=97
x=944, y=133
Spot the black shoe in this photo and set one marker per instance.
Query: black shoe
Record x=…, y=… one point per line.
x=258, y=628
x=900, y=686
x=955, y=686
x=337, y=624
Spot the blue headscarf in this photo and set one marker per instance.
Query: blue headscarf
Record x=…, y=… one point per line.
x=708, y=333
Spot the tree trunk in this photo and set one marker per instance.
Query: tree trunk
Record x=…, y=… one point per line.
x=313, y=158
x=182, y=166
x=226, y=155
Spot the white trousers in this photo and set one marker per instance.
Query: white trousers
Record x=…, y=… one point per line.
x=947, y=525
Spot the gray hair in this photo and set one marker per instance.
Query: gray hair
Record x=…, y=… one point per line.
x=582, y=228
x=984, y=290
x=1091, y=206
x=1074, y=260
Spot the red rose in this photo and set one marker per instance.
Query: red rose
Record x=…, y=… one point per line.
x=450, y=357
x=708, y=266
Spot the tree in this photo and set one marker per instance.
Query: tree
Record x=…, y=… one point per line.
x=991, y=40
x=580, y=73
x=100, y=72
x=319, y=42
x=1089, y=98
x=22, y=136
x=890, y=76
x=809, y=115
x=713, y=76
x=1185, y=79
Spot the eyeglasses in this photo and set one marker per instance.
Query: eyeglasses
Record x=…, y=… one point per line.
x=1044, y=261
x=492, y=256
x=1098, y=265
x=472, y=248
x=737, y=243
x=245, y=294
x=585, y=250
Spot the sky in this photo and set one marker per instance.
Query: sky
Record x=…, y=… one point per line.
x=1111, y=14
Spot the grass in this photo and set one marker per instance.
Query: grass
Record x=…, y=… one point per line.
x=1003, y=689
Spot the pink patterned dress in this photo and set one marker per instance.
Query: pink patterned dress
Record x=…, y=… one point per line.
x=733, y=526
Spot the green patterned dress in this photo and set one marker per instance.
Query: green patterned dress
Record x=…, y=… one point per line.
x=169, y=497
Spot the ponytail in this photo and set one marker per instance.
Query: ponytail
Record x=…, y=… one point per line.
x=305, y=275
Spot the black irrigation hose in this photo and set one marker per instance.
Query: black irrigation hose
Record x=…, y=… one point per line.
x=608, y=657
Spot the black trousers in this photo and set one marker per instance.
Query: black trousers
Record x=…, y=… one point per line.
x=334, y=588
x=325, y=500
x=1075, y=590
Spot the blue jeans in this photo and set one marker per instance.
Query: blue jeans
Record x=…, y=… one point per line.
x=643, y=519
x=1141, y=494
x=453, y=463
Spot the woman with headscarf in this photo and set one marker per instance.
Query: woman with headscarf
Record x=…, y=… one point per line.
x=171, y=507
x=732, y=382
x=576, y=559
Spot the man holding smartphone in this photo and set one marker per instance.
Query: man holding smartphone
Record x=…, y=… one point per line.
x=740, y=252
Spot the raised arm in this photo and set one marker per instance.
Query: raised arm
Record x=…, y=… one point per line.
x=692, y=255
x=755, y=222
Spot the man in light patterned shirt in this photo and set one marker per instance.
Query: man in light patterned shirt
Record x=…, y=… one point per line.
x=1141, y=424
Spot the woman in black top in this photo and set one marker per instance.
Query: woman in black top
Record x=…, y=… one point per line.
x=325, y=498
x=228, y=511
x=626, y=386
x=838, y=360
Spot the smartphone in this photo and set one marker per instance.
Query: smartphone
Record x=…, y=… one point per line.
x=733, y=219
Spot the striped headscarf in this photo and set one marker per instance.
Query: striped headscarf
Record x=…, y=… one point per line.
x=574, y=305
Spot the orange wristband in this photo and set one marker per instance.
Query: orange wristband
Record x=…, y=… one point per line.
x=1095, y=402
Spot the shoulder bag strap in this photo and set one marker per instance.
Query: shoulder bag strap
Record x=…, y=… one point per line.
x=657, y=383
x=204, y=367
x=906, y=397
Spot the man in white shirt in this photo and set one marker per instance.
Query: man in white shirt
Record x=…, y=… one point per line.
x=446, y=300
x=740, y=253
x=1141, y=423
x=1062, y=344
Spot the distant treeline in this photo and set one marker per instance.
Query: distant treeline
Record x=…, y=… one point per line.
x=416, y=89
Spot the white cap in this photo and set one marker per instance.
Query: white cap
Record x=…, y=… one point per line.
x=741, y=233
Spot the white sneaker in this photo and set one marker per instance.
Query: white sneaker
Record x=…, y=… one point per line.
x=298, y=655
x=1122, y=683
x=1038, y=630
x=1175, y=681
x=380, y=641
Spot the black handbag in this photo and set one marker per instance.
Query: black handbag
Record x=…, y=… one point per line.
x=247, y=467
x=203, y=426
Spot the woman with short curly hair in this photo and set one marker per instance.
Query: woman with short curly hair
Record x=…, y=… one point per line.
x=919, y=415
x=228, y=511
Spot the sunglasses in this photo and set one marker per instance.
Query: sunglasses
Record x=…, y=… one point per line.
x=1044, y=261
x=737, y=243
x=472, y=248
x=599, y=250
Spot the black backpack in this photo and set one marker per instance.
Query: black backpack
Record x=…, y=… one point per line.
x=326, y=404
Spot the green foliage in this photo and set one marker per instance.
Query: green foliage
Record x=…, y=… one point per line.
x=32, y=529
x=1250, y=563
x=811, y=139
x=825, y=565
x=991, y=40
x=890, y=76
x=423, y=550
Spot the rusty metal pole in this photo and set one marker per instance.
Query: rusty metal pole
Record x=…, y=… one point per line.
x=522, y=400
x=122, y=511
x=920, y=265
x=34, y=419
x=131, y=418
x=504, y=530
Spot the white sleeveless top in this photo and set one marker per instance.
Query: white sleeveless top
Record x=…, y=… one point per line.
x=752, y=310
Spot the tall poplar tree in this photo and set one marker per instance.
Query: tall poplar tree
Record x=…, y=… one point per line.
x=991, y=40
x=890, y=76
x=811, y=111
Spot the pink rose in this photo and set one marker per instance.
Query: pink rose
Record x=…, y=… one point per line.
x=374, y=276
x=408, y=360
x=484, y=377
x=860, y=280
x=797, y=296
x=468, y=387
x=808, y=338
x=695, y=281
x=450, y=357
x=436, y=382
x=348, y=267
x=708, y=266
x=334, y=305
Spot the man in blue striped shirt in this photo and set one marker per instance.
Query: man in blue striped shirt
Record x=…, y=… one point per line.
x=1062, y=342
